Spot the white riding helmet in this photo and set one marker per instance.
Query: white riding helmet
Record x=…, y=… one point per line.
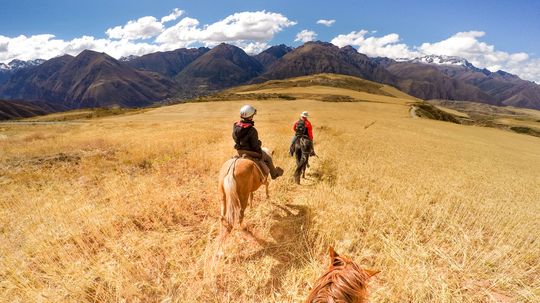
x=247, y=111
x=304, y=114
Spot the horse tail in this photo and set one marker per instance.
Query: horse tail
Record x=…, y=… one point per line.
x=231, y=197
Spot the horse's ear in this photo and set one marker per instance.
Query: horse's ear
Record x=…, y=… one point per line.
x=334, y=260
x=371, y=272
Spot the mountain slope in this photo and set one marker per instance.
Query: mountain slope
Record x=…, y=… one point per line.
x=272, y=54
x=89, y=80
x=453, y=78
x=223, y=66
x=321, y=57
x=167, y=63
x=12, y=109
x=428, y=82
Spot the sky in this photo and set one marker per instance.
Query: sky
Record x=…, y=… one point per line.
x=490, y=34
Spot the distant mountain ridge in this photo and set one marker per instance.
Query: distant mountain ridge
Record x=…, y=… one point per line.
x=94, y=79
x=167, y=63
x=272, y=54
x=17, y=64
x=7, y=70
x=222, y=67
x=90, y=79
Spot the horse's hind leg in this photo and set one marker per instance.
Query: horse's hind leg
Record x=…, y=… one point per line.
x=297, y=175
x=306, y=165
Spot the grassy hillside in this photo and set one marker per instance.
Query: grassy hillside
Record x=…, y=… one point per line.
x=519, y=120
x=125, y=208
x=321, y=87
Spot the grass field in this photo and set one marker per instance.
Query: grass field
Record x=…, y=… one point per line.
x=125, y=208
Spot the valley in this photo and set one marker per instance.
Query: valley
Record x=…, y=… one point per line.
x=125, y=208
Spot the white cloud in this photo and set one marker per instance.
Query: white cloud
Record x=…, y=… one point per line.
x=142, y=28
x=47, y=46
x=481, y=54
x=305, y=36
x=260, y=26
x=326, y=22
x=173, y=16
x=248, y=30
x=252, y=48
x=385, y=46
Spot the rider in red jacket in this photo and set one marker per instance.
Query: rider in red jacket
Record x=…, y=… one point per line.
x=309, y=128
x=302, y=127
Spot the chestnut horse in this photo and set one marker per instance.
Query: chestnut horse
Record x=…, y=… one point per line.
x=238, y=179
x=344, y=282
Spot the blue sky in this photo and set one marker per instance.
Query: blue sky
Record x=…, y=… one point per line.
x=494, y=34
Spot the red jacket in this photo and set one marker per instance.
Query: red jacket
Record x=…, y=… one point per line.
x=308, y=126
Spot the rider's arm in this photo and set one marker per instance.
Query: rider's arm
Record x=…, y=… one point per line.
x=310, y=130
x=254, y=140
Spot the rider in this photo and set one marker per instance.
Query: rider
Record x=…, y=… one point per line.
x=302, y=127
x=247, y=140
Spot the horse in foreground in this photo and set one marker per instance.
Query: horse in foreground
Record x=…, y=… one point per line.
x=303, y=148
x=239, y=177
x=344, y=282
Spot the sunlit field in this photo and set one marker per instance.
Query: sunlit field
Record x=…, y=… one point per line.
x=125, y=208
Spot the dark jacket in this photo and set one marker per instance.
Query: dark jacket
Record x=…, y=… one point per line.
x=246, y=137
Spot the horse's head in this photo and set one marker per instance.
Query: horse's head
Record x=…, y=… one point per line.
x=345, y=281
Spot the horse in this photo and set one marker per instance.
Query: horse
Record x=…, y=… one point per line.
x=343, y=282
x=239, y=177
x=303, y=148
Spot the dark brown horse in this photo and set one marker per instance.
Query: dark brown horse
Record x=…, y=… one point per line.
x=303, y=148
x=238, y=179
x=344, y=282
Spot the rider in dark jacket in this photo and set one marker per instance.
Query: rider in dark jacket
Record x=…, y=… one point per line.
x=247, y=141
x=246, y=137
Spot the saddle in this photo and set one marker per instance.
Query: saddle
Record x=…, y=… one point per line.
x=256, y=158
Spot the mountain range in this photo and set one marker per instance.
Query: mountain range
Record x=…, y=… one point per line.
x=93, y=79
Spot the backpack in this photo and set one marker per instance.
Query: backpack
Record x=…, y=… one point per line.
x=301, y=129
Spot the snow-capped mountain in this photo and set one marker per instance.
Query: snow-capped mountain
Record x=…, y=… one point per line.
x=17, y=64
x=442, y=60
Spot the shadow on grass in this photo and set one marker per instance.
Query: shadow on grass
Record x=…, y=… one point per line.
x=291, y=246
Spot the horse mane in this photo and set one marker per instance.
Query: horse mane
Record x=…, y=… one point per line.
x=344, y=282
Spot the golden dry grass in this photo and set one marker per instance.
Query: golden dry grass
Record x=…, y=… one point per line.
x=124, y=209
